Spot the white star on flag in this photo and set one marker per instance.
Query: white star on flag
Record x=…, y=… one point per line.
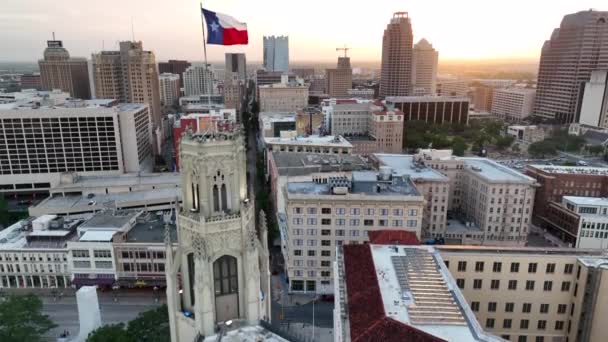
x=214, y=26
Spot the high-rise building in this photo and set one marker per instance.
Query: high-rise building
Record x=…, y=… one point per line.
x=434, y=109
x=594, y=106
x=276, y=53
x=130, y=75
x=513, y=104
x=169, y=89
x=59, y=71
x=280, y=97
x=174, y=66
x=387, y=130
x=482, y=98
x=198, y=80
x=30, y=81
x=235, y=80
x=575, y=49
x=424, y=68
x=222, y=257
x=236, y=67
x=396, y=73
x=339, y=80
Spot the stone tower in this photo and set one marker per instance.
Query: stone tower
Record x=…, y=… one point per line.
x=221, y=259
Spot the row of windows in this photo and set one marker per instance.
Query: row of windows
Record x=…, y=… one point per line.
x=512, y=285
x=32, y=257
x=355, y=211
x=497, y=267
x=523, y=324
x=526, y=307
x=355, y=222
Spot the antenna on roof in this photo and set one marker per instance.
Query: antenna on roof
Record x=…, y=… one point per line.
x=53, y=35
x=132, y=30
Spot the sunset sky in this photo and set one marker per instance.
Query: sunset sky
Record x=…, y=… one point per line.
x=466, y=29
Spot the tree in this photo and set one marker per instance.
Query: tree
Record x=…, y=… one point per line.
x=515, y=148
x=111, y=333
x=503, y=143
x=151, y=326
x=21, y=319
x=595, y=149
x=459, y=146
x=541, y=149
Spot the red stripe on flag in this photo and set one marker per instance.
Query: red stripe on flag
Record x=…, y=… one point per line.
x=233, y=36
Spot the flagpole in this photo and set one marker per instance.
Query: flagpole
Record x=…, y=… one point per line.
x=206, y=64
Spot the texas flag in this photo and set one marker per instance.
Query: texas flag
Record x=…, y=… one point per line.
x=224, y=30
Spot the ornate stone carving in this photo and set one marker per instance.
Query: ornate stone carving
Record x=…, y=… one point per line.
x=200, y=247
x=223, y=241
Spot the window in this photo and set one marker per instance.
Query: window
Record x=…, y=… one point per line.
x=340, y=222
x=355, y=222
x=460, y=283
x=526, y=308
x=542, y=324
x=325, y=242
x=561, y=308
x=512, y=284
x=492, y=307
x=462, y=266
x=368, y=223
x=559, y=325
x=544, y=308
x=340, y=232
x=311, y=263
x=475, y=306
x=514, y=267
x=103, y=264
x=412, y=212
x=524, y=323
x=383, y=223
x=355, y=211
x=82, y=264
x=311, y=231
x=340, y=211
x=479, y=266
x=102, y=253
x=325, y=274
x=397, y=212
x=530, y=285
x=326, y=211
x=325, y=263
x=412, y=223
x=297, y=210
x=383, y=212
x=311, y=211
x=369, y=211
x=80, y=253
x=509, y=307
x=311, y=252
x=548, y=285
x=477, y=283
x=297, y=252
x=551, y=268
x=298, y=220
x=497, y=267
x=506, y=324
x=565, y=286
x=532, y=267
x=297, y=285
x=311, y=221
x=490, y=323
x=325, y=253
x=495, y=284
x=397, y=223
x=311, y=243
x=225, y=275
x=522, y=338
x=325, y=232
x=326, y=222
x=568, y=268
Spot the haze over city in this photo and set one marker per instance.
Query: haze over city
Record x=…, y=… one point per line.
x=464, y=30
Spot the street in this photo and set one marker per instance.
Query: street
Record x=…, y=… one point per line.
x=64, y=311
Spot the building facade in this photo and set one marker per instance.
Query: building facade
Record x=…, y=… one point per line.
x=574, y=50
x=198, y=80
x=424, y=69
x=350, y=119
x=339, y=80
x=397, y=41
x=282, y=97
x=59, y=71
x=223, y=264
x=169, y=89
x=174, y=66
x=513, y=104
x=452, y=87
x=130, y=75
x=276, y=53
x=594, y=106
x=387, y=130
x=483, y=97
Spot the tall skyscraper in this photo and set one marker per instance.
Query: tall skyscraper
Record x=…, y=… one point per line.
x=169, y=89
x=396, y=73
x=575, y=49
x=129, y=75
x=59, y=71
x=198, y=80
x=424, y=68
x=339, y=80
x=276, y=53
x=236, y=66
x=174, y=66
x=235, y=81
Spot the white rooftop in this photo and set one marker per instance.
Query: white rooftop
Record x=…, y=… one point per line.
x=494, y=172
x=582, y=170
x=247, y=334
x=593, y=201
x=403, y=164
x=418, y=290
x=127, y=179
x=97, y=235
x=312, y=140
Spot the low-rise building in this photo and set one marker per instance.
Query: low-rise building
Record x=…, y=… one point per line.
x=452, y=87
x=513, y=104
x=361, y=93
x=333, y=210
x=387, y=130
x=272, y=123
x=282, y=97
x=328, y=144
x=432, y=109
x=526, y=134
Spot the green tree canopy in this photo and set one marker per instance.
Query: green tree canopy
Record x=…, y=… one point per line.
x=541, y=149
x=595, y=149
x=21, y=319
x=505, y=142
x=151, y=326
x=459, y=146
x=111, y=333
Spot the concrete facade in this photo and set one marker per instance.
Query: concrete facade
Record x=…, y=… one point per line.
x=282, y=97
x=424, y=69
x=513, y=104
x=169, y=89
x=594, y=108
x=339, y=80
x=396, y=69
x=59, y=71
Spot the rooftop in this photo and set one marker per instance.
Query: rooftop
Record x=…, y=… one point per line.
x=402, y=164
x=312, y=140
x=296, y=164
x=110, y=219
x=340, y=107
x=426, y=98
x=580, y=170
x=363, y=183
x=593, y=201
x=494, y=172
x=405, y=293
x=150, y=227
x=127, y=179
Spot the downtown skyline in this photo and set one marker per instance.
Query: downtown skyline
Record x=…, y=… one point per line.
x=171, y=31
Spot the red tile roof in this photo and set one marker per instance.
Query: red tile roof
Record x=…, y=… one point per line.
x=368, y=321
x=393, y=237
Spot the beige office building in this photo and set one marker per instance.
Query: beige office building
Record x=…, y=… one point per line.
x=350, y=118
x=130, y=75
x=332, y=210
x=424, y=69
x=280, y=97
x=513, y=104
x=533, y=294
x=396, y=73
x=339, y=80
x=169, y=89
x=60, y=71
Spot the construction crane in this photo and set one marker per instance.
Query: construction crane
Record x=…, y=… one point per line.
x=345, y=49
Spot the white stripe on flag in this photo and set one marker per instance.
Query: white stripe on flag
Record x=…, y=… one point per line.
x=229, y=22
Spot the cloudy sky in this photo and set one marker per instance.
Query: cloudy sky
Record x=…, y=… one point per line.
x=465, y=29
